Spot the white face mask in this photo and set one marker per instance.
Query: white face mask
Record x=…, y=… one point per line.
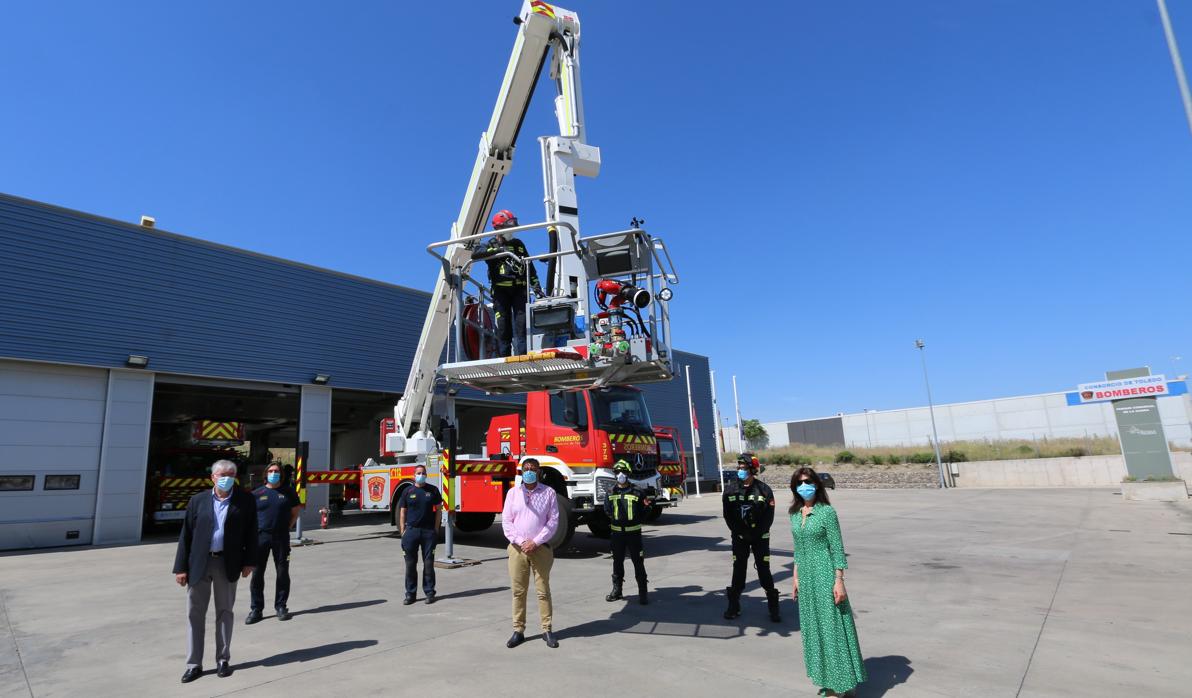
x=622, y=478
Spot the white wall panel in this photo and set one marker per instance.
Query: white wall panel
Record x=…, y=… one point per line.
x=51, y=423
x=120, y=501
x=314, y=426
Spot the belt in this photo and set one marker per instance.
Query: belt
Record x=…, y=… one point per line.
x=217, y=554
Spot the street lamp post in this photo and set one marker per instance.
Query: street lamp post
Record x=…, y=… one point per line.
x=1174, y=49
x=935, y=437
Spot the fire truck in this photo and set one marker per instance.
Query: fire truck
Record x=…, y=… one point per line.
x=672, y=466
x=600, y=324
x=180, y=468
x=575, y=436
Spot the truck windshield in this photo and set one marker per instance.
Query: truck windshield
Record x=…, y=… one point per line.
x=667, y=451
x=618, y=408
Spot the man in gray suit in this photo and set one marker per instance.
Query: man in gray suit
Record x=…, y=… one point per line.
x=217, y=546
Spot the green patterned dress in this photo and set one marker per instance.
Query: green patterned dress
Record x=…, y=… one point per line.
x=830, y=648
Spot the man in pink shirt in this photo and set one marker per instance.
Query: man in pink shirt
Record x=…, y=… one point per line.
x=529, y=519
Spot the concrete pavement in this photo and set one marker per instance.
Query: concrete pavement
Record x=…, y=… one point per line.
x=1041, y=592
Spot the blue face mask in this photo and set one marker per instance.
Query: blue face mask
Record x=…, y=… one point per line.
x=529, y=477
x=420, y=478
x=742, y=474
x=273, y=478
x=225, y=483
x=806, y=490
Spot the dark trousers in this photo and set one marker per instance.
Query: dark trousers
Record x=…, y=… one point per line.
x=761, y=560
x=628, y=542
x=279, y=547
x=509, y=304
x=413, y=542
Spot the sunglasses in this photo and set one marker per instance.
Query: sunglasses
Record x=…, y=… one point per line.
x=806, y=482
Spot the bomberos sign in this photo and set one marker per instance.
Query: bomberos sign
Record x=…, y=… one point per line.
x=1143, y=386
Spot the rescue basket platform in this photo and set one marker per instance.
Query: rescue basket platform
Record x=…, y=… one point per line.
x=553, y=370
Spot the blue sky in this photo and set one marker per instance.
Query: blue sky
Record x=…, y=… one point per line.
x=1010, y=180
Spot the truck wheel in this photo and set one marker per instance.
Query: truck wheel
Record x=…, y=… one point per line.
x=394, y=517
x=566, y=527
x=598, y=526
x=471, y=522
x=655, y=514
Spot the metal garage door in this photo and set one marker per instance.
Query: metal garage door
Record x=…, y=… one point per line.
x=51, y=428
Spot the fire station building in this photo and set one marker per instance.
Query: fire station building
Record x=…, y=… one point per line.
x=130, y=356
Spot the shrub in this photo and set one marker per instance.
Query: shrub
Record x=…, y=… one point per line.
x=845, y=457
x=1074, y=452
x=803, y=460
x=780, y=458
x=894, y=459
x=954, y=456
x=1025, y=450
x=876, y=459
x=922, y=457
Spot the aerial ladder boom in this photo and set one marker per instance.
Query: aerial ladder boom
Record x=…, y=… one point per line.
x=540, y=26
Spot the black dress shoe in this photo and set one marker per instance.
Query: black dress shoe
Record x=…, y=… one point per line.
x=192, y=673
x=225, y=670
x=407, y=601
x=283, y=613
x=252, y=617
x=549, y=638
x=515, y=639
x=430, y=598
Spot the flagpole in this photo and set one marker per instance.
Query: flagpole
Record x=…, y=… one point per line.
x=740, y=429
x=691, y=417
x=716, y=419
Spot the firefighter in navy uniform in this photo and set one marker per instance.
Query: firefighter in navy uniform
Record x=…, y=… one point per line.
x=278, y=508
x=626, y=506
x=507, y=277
x=749, y=512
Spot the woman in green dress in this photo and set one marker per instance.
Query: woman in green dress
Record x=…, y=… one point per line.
x=830, y=648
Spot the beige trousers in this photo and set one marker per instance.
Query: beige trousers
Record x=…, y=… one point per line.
x=520, y=565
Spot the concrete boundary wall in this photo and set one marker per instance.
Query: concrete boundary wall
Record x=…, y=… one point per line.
x=1088, y=471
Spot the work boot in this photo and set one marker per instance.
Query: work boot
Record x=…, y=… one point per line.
x=615, y=594
x=772, y=603
x=642, y=597
x=734, y=604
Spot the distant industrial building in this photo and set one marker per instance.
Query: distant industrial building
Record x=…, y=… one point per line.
x=1030, y=417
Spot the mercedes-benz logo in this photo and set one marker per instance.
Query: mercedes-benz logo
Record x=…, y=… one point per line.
x=639, y=461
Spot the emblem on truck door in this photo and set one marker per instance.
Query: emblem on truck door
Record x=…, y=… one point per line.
x=376, y=488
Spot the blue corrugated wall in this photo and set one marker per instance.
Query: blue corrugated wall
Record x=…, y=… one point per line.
x=79, y=289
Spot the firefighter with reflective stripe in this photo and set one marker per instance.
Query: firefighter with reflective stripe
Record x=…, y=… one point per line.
x=749, y=512
x=626, y=506
x=507, y=277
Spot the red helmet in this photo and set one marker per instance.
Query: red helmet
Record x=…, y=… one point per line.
x=504, y=219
